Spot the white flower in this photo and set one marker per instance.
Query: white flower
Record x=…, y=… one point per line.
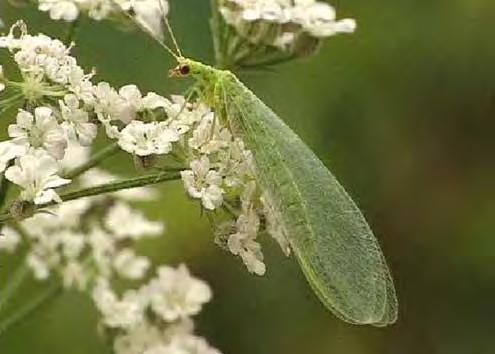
x=109, y=105
x=188, y=343
x=149, y=13
x=117, y=313
x=203, y=183
x=39, y=131
x=39, y=58
x=286, y=18
x=39, y=267
x=129, y=265
x=98, y=9
x=66, y=10
x=153, y=101
x=319, y=20
x=175, y=294
x=74, y=275
x=9, y=239
x=132, y=100
x=236, y=164
x=8, y=152
x=61, y=216
x=242, y=243
x=145, y=139
x=75, y=155
x=125, y=222
x=209, y=136
x=103, y=248
x=138, y=339
x=36, y=174
x=77, y=120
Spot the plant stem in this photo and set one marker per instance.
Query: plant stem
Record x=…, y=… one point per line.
x=13, y=284
x=120, y=185
x=215, y=31
x=71, y=32
x=29, y=308
x=4, y=188
x=108, y=188
x=93, y=161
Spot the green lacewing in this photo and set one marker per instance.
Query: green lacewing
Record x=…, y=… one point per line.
x=328, y=234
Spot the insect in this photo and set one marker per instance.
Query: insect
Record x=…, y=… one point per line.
x=335, y=247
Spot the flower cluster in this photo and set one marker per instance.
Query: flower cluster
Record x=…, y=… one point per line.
x=62, y=108
x=65, y=109
x=148, y=12
x=283, y=23
x=156, y=318
x=84, y=240
x=87, y=244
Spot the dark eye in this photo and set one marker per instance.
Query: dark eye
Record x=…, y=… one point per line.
x=185, y=69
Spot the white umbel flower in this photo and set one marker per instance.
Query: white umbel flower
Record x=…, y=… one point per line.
x=125, y=222
x=138, y=339
x=37, y=175
x=66, y=10
x=9, y=239
x=289, y=18
x=144, y=139
x=243, y=242
x=319, y=19
x=149, y=13
x=125, y=312
x=129, y=265
x=187, y=343
x=209, y=136
x=76, y=121
x=203, y=183
x=176, y=294
x=39, y=131
x=8, y=152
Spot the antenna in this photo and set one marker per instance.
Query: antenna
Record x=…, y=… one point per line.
x=169, y=28
x=172, y=35
x=145, y=29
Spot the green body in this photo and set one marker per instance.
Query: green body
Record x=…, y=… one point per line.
x=332, y=241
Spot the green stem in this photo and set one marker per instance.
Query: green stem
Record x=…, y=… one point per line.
x=4, y=188
x=93, y=161
x=215, y=30
x=71, y=32
x=29, y=308
x=120, y=185
x=108, y=188
x=13, y=284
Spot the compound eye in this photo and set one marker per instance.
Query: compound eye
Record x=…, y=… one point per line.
x=185, y=69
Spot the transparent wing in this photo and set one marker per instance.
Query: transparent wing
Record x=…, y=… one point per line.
x=332, y=241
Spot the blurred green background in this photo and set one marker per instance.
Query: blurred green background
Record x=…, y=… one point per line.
x=403, y=112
